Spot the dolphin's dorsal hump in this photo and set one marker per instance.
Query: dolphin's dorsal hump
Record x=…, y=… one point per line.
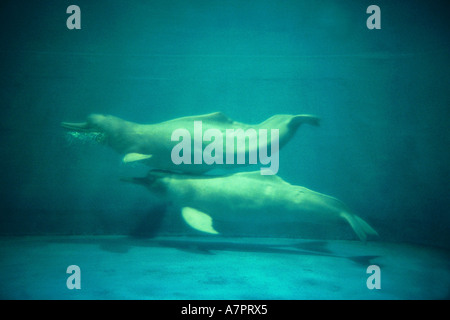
x=215, y=116
x=258, y=176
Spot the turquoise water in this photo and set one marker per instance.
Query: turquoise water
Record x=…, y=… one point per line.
x=382, y=146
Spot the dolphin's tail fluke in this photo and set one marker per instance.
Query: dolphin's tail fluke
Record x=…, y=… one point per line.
x=293, y=122
x=305, y=118
x=361, y=228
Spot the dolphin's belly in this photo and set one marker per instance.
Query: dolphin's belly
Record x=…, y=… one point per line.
x=251, y=200
x=238, y=202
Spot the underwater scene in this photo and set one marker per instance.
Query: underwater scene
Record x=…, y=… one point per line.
x=225, y=150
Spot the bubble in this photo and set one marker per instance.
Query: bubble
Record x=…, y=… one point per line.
x=85, y=137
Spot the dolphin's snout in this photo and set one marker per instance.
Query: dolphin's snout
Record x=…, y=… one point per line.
x=79, y=126
x=93, y=124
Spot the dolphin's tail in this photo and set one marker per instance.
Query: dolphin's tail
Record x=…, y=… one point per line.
x=361, y=228
x=305, y=118
x=293, y=122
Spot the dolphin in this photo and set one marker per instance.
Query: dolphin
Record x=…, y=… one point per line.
x=152, y=144
x=246, y=197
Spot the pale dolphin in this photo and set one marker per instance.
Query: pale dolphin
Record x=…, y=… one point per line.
x=151, y=143
x=245, y=197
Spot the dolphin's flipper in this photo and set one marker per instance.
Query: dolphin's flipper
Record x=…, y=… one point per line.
x=132, y=157
x=198, y=220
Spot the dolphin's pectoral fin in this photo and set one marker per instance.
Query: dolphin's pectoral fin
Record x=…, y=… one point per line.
x=132, y=157
x=198, y=220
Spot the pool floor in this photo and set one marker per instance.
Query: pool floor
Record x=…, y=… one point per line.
x=190, y=268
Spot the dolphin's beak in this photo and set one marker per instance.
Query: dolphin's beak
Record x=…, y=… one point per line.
x=79, y=127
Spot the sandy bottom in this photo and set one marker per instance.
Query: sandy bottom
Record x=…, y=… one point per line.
x=119, y=267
